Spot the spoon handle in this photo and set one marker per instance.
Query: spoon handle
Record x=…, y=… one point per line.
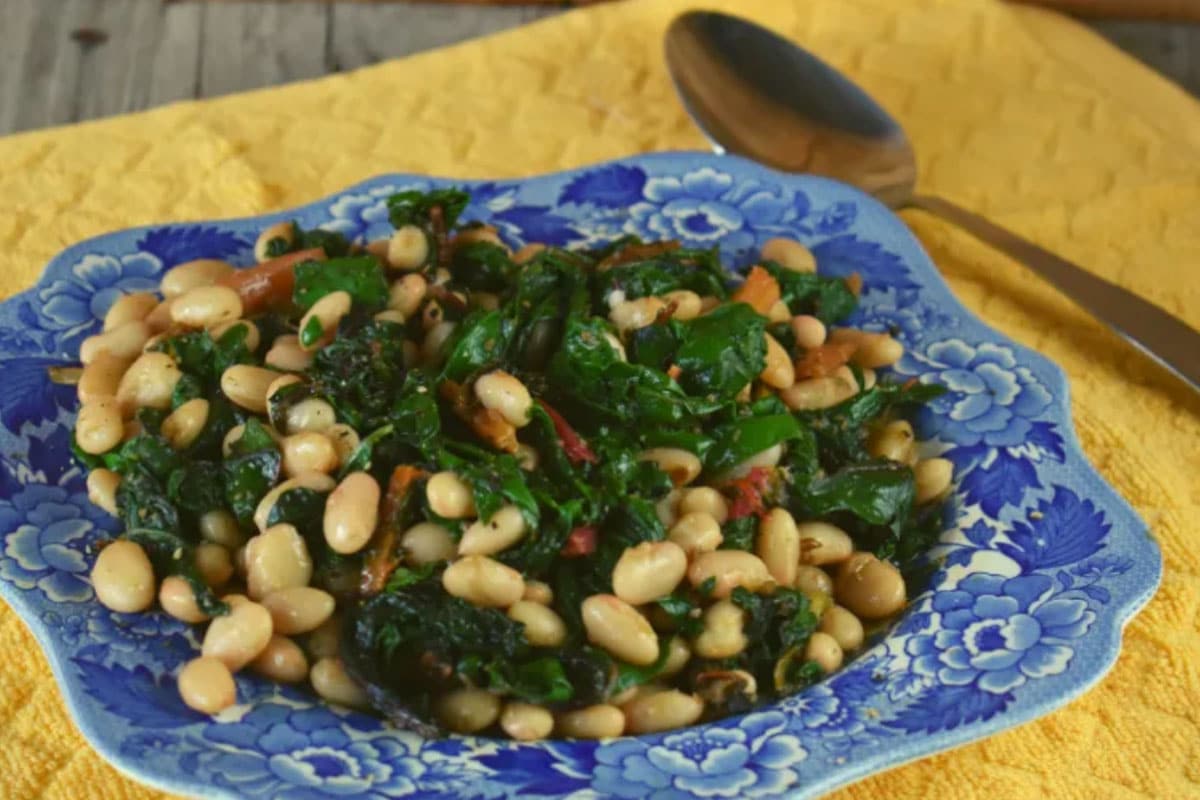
x=1154, y=331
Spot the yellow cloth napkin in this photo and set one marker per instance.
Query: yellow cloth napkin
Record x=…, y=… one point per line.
x=1015, y=112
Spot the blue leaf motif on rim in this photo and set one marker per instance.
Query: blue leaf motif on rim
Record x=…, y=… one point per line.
x=997, y=633
x=72, y=306
x=173, y=245
x=754, y=759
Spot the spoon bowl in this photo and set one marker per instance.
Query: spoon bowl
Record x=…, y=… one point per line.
x=737, y=80
x=756, y=94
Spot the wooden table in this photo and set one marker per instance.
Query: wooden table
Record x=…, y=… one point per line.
x=63, y=61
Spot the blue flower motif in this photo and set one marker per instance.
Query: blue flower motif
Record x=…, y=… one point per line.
x=290, y=754
x=990, y=399
x=1101, y=567
x=821, y=708
x=706, y=207
x=997, y=632
x=909, y=322
x=753, y=759
x=73, y=305
x=362, y=216
x=42, y=533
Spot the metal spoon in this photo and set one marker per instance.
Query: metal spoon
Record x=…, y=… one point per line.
x=758, y=95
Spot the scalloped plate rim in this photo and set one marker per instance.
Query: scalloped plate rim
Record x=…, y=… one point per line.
x=77, y=701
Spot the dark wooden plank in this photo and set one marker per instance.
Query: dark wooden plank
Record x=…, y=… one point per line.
x=175, y=70
x=41, y=62
x=364, y=33
x=1171, y=48
x=248, y=45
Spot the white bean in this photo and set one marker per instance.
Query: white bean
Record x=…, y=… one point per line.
x=407, y=294
x=502, y=392
x=287, y=355
x=247, y=386
x=351, y=513
x=506, y=527
x=538, y=592
x=183, y=425
x=206, y=685
x=102, y=485
x=813, y=580
x=427, y=543
x=408, y=249
x=281, y=660
x=594, y=722
x=123, y=577
x=723, y=635
x=449, y=496
x=615, y=626
x=763, y=458
x=682, y=467
x=326, y=640
x=467, y=710
x=648, y=571
x=895, y=441
x=789, y=254
x=158, y=321
x=822, y=543
x=148, y=383
x=214, y=564
x=220, y=527
x=932, y=477
x=331, y=681
x=98, y=427
x=206, y=306
x=101, y=377
x=178, y=599
x=193, y=274
x=280, y=230
x=823, y=649
x=129, y=308
x=432, y=348
x=778, y=371
x=543, y=627
x=123, y=342
x=687, y=304
x=484, y=582
x=707, y=500
x=809, y=331
x=779, y=545
x=310, y=414
x=662, y=711
x=526, y=722
x=252, y=339
x=870, y=588
x=778, y=312
x=870, y=349
x=277, y=559
x=316, y=481
x=677, y=658
x=308, y=451
x=730, y=569
x=696, y=532
x=665, y=508
x=236, y=638
x=818, y=393
x=298, y=609
x=843, y=626
x=345, y=440
x=630, y=315
x=319, y=326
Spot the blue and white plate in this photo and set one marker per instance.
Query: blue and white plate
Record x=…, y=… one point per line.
x=1044, y=563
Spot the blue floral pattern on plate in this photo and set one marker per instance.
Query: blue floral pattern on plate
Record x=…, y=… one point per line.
x=1042, y=563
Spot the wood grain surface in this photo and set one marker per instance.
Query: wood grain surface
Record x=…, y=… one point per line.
x=63, y=61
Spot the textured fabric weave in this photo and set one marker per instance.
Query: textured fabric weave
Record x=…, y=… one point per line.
x=1017, y=113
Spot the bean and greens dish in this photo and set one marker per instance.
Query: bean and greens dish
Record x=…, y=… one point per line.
x=545, y=492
